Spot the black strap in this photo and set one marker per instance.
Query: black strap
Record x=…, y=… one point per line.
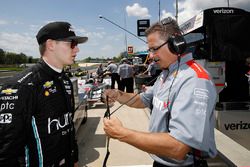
x=107, y=115
x=198, y=159
x=170, y=88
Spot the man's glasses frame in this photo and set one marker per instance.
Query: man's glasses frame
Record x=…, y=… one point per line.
x=73, y=43
x=154, y=50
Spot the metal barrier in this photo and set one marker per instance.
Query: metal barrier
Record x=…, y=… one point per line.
x=230, y=151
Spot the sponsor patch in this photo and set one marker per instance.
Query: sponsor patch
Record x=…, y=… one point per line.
x=46, y=93
x=48, y=84
x=7, y=106
x=49, y=88
x=5, y=118
x=8, y=91
x=8, y=97
x=201, y=93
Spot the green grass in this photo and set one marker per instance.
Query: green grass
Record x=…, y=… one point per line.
x=11, y=68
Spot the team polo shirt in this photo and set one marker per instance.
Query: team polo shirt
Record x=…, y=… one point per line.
x=112, y=68
x=125, y=71
x=190, y=102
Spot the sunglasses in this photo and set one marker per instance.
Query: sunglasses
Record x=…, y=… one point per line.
x=73, y=43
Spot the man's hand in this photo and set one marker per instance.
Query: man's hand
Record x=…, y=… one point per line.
x=76, y=164
x=113, y=128
x=113, y=95
x=144, y=88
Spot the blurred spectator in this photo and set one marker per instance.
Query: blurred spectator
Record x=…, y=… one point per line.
x=99, y=71
x=112, y=68
x=126, y=73
x=151, y=70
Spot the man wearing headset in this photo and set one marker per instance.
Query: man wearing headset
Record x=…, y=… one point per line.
x=182, y=101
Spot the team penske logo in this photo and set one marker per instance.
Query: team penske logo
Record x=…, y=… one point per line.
x=5, y=118
x=8, y=91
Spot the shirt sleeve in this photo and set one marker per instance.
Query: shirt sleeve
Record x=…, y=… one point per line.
x=15, y=112
x=147, y=97
x=192, y=119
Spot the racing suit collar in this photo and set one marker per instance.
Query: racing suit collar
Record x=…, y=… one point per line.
x=49, y=70
x=54, y=68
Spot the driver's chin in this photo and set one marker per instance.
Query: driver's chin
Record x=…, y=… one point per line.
x=71, y=61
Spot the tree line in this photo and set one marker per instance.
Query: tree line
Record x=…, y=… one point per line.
x=9, y=58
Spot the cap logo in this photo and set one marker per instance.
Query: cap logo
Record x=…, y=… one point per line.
x=71, y=29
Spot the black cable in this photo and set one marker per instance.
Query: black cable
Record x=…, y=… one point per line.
x=107, y=115
x=178, y=66
x=132, y=97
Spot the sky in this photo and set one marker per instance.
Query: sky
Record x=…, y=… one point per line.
x=20, y=20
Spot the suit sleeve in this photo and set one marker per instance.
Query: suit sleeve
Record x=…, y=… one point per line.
x=14, y=102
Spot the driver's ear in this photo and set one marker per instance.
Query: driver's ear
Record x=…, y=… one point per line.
x=50, y=44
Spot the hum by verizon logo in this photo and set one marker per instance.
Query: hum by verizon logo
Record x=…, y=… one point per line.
x=235, y=126
x=224, y=11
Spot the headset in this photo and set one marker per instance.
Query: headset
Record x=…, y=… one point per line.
x=176, y=43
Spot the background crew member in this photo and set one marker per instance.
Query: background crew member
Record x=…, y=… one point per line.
x=151, y=70
x=100, y=73
x=39, y=116
x=112, y=67
x=126, y=73
x=182, y=101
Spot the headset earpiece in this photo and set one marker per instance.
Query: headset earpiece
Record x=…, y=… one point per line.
x=177, y=44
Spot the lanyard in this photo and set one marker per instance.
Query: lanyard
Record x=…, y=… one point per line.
x=107, y=115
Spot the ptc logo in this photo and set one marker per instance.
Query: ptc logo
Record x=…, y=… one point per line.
x=5, y=118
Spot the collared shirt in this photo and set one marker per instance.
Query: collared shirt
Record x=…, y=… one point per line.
x=190, y=102
x=151, y=69
x=125, y=71
x=112, y=68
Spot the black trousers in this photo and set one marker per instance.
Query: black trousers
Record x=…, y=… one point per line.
x=156, y=164
x=115, y=77
x=127, y=83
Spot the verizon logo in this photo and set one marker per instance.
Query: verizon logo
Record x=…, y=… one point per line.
x=235, y=126
x=224, y=11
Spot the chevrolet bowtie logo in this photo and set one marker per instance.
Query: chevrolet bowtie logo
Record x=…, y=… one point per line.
x=8, y=91
x=48, y=84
